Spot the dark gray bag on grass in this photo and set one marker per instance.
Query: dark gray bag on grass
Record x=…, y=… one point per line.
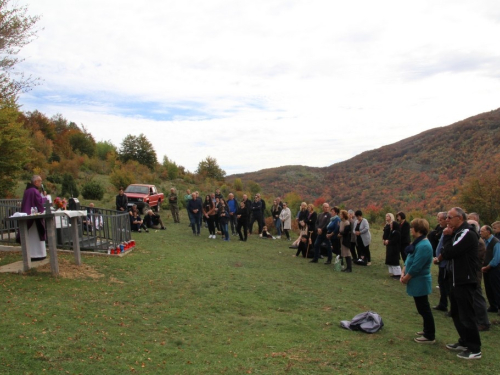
x=369, y=322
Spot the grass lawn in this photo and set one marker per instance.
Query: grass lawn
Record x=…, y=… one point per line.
x=180, y=304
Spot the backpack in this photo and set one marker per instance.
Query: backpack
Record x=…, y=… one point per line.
x=369, y=322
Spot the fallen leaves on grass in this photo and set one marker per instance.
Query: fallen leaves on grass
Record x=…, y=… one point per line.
x=69, y=270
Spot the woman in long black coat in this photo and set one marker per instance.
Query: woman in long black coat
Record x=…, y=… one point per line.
x=389, y=218
x=242, y=221
x=392, y=245
x=405, y=233
x=312, y=217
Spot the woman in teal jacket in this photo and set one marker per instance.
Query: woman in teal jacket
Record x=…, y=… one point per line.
x=417, y=277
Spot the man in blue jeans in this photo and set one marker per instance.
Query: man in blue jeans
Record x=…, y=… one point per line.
x=232, y=205
x=195, y=208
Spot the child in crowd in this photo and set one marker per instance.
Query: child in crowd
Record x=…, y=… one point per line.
x=265, y=233
x=303, y=247
x=136, y=223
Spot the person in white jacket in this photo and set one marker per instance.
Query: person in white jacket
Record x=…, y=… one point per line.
x=286, y=220
x=363, y=239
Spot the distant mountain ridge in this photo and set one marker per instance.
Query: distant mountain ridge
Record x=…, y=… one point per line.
x=423, y=172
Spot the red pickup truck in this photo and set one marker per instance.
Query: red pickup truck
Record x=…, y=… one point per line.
x=144, y=196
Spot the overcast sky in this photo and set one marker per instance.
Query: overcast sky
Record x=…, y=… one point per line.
x=260, y=84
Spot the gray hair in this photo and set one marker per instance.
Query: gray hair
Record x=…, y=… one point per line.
x=35, y=178
x=460, y=212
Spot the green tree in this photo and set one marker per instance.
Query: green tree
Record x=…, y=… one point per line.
x=16, y=30
x=105, y=148
x=480, y=194
x=210, y=168
x=254, y=187
x=69, y=188
x=171, y=167
x=14, y=141
x=293, y=200
x=138, y=149
x=238, y=184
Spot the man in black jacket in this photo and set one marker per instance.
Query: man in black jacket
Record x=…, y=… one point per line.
x=461, y=250
x=248, y=207
x=256, y=214
x=121, y=201
x=321, y=224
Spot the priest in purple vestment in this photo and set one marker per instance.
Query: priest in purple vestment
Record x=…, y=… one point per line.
x=36, y=228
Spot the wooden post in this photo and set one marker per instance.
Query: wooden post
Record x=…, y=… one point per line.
x=23, y=231
x=51, y=239
x=76, y=240
x=50, y=227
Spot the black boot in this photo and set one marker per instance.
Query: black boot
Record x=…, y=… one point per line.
x=349, y=264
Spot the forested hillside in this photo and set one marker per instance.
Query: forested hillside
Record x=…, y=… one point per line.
x=424, y=172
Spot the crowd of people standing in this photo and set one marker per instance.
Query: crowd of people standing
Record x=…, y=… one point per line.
x=465, y=252
x=454, y=246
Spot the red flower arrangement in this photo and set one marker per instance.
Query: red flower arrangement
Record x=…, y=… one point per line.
x=60, y=203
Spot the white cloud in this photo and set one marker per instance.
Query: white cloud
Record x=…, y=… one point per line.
x=264, y=83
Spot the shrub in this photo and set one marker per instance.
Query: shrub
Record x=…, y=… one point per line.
x=69, y=186
x=92, y=190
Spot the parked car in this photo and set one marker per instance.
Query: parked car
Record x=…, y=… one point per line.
x=144, y=196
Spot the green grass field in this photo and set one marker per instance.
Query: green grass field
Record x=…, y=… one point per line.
x=180, y=304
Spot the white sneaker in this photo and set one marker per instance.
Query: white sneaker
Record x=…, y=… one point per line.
x=278, y=237
x=210, y=236
x=214, y=237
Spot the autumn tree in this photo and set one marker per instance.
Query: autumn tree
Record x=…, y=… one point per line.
x=210, y=168
x=63, y=129
x=37, y=121
x=42, y=133
x=138, y=148
x=82, y=142
x=14, y=141
x=17, y=29
x=121, y=178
